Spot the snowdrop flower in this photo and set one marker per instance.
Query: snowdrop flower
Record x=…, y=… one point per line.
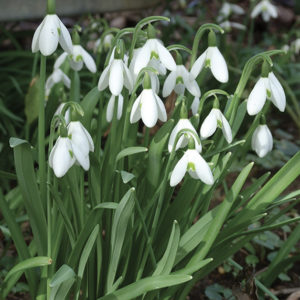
x=227, y=25
x=61, y=157
x=153, y=48
x=262, y=141
x=148, y=106
x=184, y=139
x=111, y=105
x=57, y=76
x=82, y=143
x=215, y=119
x=296, y=46
x=197, y=167
x=266, y=88
x=227, y=9
x=116, y=75
x=49, y=33
x=266, y=8
x=76, y=59
x=213, y=59
x=106, y=43
x=178, y=80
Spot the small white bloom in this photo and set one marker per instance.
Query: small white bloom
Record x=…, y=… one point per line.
x=57, y=76
x=48, y=34
x=197, y=167
x=266, y=8
x=106, y=43
x=111, y=105
x=148, y=107
x=76, y=59
x=296, y=46
x=59, y=111
x=227, y=9
x=178, y=80
x=266, y=88
x=227, y=25
x=61, y=157
x=262, y=141
x=115, y=75
x=153, y=48
x=212, y=58
x=215, y=119
x=82, y=143
x=184, y=138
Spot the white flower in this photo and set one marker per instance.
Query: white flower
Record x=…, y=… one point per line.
x=61, y=157
x=59, y=111
x=111, y=105
x=215, y=119
x=153, y=48
x=296, y=46
x=106, y=43
x=262, y=141
x=227, y=25
x=82, y=143
x=213, y=58
x=178, y=80
x=76, y=59
x=115, y=75
x=48, y=34
x=266, y=88
x=195, y=105
x=184, y=138
x=267, y=9
x=227, y=9
x=197, y=167
x=148, y=107
x=57, y=76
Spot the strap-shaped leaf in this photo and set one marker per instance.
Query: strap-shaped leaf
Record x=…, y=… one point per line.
x=130, y=151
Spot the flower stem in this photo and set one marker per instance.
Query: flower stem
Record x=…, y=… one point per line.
x=41, y=131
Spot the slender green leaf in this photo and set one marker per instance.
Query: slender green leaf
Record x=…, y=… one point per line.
x=130, y=151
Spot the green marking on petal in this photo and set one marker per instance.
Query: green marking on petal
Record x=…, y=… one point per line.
x=191, y=166
x=207, y=63
x=59, y=31
x=179, y=80
x=220, y=124
x=154, y=55
x=269, y=94
x=71, y=153
x=78, y=58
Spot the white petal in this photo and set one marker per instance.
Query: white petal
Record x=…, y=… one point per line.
x=169, y=84
x=154, y=82
x=149, y=111
x=120, y=106
x=257, y=10
x=179, y=170
x=116, y=77
x=66, y=80
x=202, y=168
x=80, y=140
x=192, y=86
x=110, y=108
x=209, y=125
x=142, y=58
x=237, y=9
x=157, y=65
x=161, y=110
x=61, y=159
x=36, y=36
x=135, y=113
x=89, y=61
x=48, y=39
x=262, y=141
x=218, y=65
x=104, y=79
x=165, y=57
x=278, y=95
x=195, y=105
x=272, y=10
x=198, y=65
x=257, y=97
x=60, y=60
x=226, y=129
x=128, y=80
x=65, y=38
x=83, y=159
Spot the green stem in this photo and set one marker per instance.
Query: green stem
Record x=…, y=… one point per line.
x=41, y=130
x=50, y=7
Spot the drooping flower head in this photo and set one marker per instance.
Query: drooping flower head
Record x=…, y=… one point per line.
x=213, y=59
x=57, y=76
x=227, y=9
x=266, y=9
x=49, y=33
x=262, y=140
